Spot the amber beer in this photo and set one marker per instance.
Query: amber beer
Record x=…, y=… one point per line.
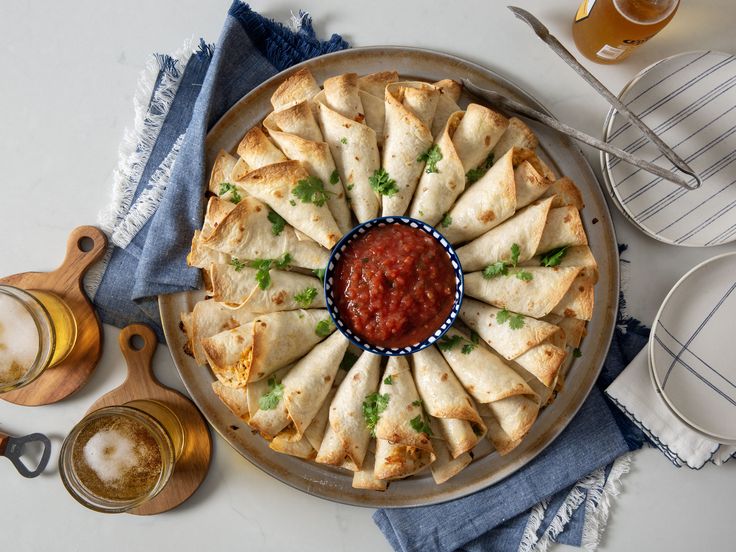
x=608, y=31
x=37, y=331
x=119, y=457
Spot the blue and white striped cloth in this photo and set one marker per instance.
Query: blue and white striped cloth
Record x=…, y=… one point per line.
x=689, y=100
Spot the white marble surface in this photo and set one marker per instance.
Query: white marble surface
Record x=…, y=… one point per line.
x=68, y=71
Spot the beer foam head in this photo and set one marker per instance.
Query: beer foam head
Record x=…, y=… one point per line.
x=111, y=454
x=18, y=339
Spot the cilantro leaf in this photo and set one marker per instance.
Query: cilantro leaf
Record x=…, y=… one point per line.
x=277, y=222
x=476, y=174
x=305, y=297
x=474, y=337
x=502, y=316
x=525, y=276
x=334, y=177
x=515, y=252
x=467, y=348
x=446, y=221
x=382, y=183
x=226, y=187
x=420, y=425
x=348, y=360
x=554, y=257
x=501, y=268
x=263, y=276
x=324, y=327
x=283, y=261
x=319, y=273
x=270, y=399
x=237, y=264
x=311, y=190
x=447, y=343
x=417, y=402
x=373, y=406
x=343, y=140
x=498, y=268
x=516, y=322
x=432, y=156
x=577, y=353
x=388, y=380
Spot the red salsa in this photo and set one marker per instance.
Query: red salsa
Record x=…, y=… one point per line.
x=394, y=285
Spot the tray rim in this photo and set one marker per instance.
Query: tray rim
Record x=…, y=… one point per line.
x=373, y=499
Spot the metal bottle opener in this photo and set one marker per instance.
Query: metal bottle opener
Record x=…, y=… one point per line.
x=12, y=448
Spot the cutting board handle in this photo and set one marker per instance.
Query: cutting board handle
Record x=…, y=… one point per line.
x=84, y=246
x=138, y=343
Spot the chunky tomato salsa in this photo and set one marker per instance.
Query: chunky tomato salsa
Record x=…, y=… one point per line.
x=394, y=285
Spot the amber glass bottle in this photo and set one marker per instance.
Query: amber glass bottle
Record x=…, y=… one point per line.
x=608, y=31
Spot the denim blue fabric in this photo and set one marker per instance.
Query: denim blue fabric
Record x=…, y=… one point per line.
x=250, y=50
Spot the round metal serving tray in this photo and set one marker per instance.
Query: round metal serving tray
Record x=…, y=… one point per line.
x=489, y=467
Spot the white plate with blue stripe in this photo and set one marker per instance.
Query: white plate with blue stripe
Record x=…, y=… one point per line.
x=692, y=349
x=689, y=100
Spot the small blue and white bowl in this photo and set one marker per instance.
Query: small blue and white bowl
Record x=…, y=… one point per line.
x=329, y=285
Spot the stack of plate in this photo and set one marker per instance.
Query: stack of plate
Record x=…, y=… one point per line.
x=692, y=349
x=689, y=100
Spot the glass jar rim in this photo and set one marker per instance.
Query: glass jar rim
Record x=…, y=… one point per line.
x=46, y=335
x=87, y=498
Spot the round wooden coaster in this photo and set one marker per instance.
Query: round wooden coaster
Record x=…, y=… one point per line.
x=85, y=246
x=194, y=462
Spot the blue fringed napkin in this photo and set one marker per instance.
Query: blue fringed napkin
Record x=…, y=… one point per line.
x=158, y=203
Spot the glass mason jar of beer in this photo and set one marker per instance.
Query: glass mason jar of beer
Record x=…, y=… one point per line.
x=37, y=331
x=608, y=31
x=119, y=457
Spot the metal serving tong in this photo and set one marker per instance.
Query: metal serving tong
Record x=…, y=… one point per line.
x=510, y=105
x=12, y=448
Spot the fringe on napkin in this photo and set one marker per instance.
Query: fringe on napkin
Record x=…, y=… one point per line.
x=594, y=492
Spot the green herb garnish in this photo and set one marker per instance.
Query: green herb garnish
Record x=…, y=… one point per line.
x=311, y=190
x=226, y=187
x=319, y=273
x=447, y=343
x=420, y=425
x=350, y=187
x=305, y=297
x=373, y=406
x=237, y=264
x=343, y=140
x=476, y=174
x=446, y=221
x=554, y=257
x=388, y=380
x=417, y=402
x=263, y=267
x=501, y=268
x=382, y=183
x=432, y=156
x=348, y=360
x=270, y=399
x=577, y=353
x=324, y=327
x=334, y=177
x=515, y=252
x=277, y=222
x=525, y=276
x=516, y=321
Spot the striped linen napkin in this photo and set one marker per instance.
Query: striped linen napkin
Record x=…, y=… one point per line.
x=563, y=495
x=634, y=394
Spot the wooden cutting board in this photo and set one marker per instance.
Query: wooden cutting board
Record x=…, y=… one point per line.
x=85, y=246
x=193, y=464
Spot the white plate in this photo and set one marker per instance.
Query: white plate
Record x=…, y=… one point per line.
x=689, y=100
x=693, y=346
